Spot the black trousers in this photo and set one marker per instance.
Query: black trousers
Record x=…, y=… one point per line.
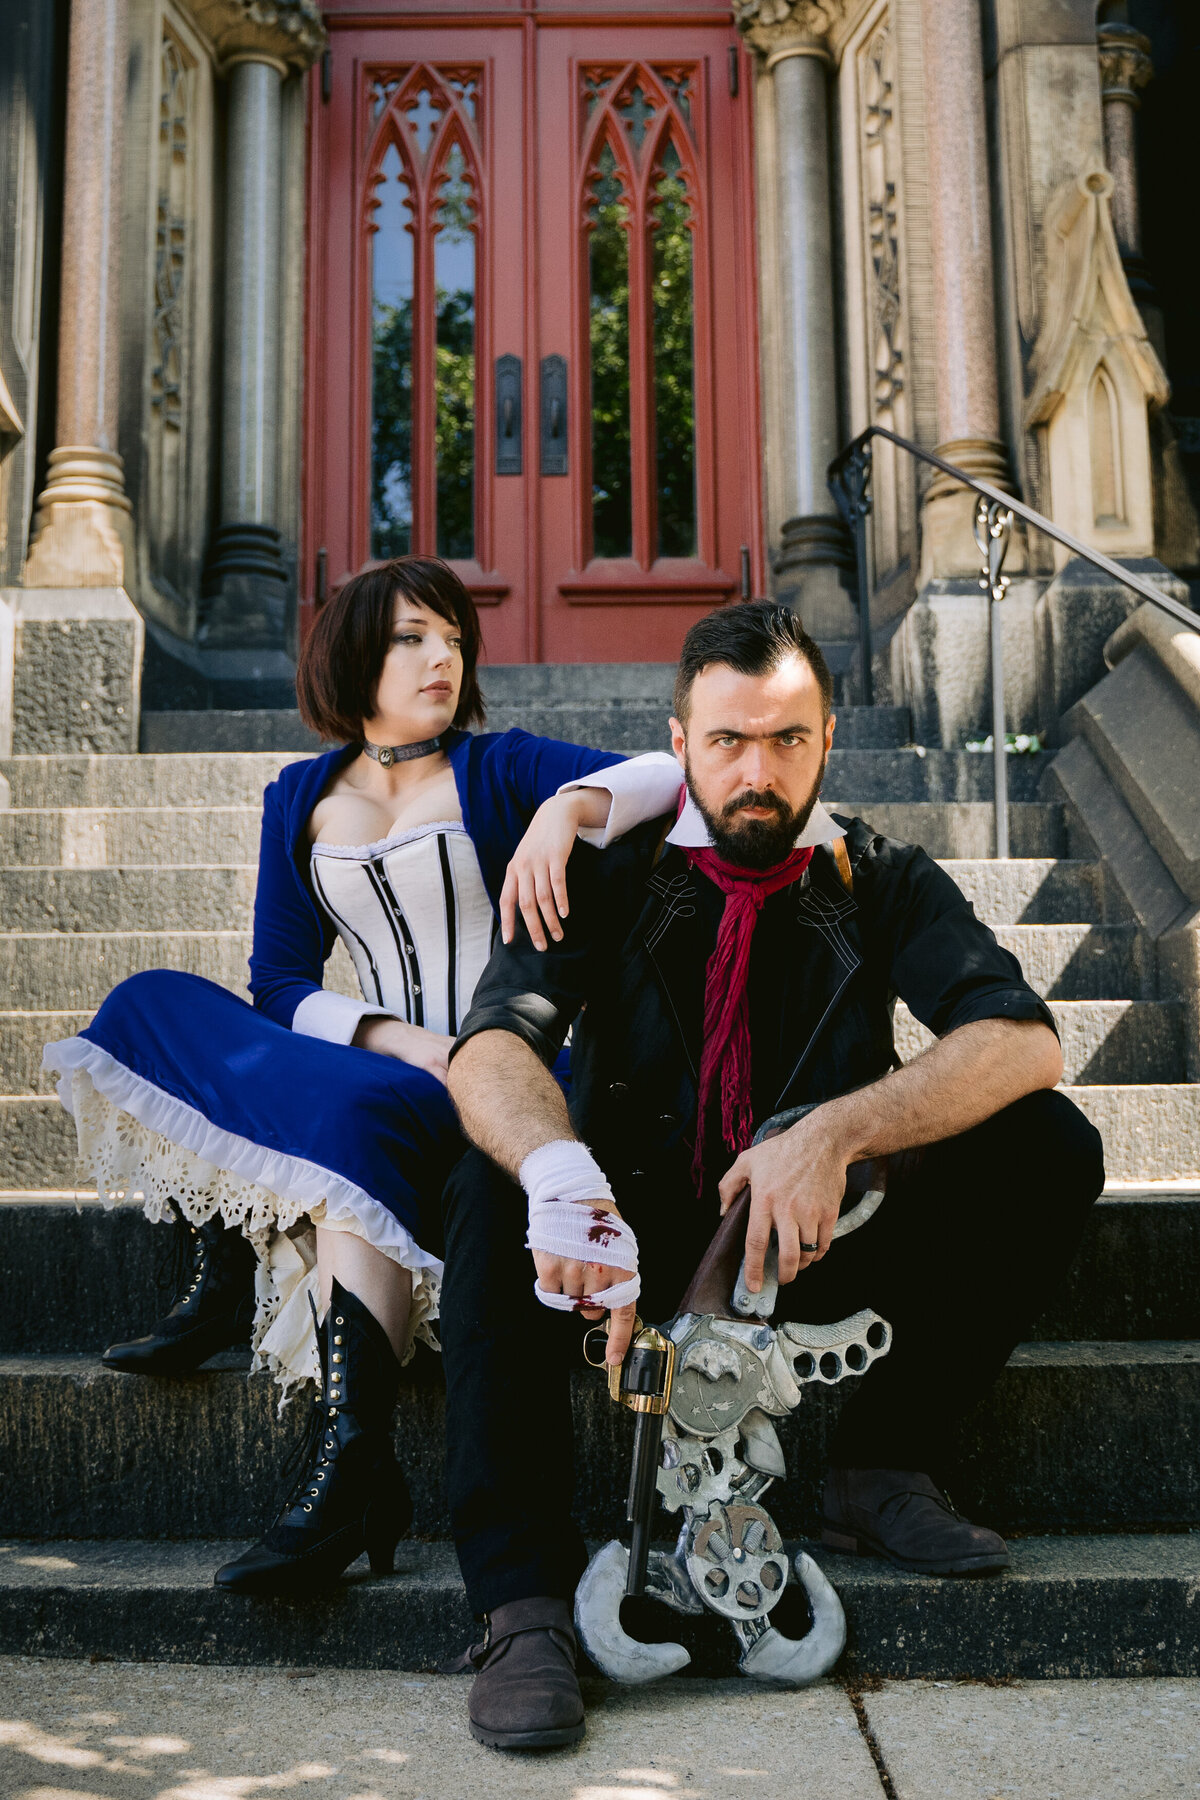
x=966, y=1250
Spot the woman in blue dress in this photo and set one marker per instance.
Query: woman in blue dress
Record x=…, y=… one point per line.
x=317, y=1122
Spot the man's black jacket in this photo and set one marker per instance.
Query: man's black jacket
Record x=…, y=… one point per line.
x=827, y=963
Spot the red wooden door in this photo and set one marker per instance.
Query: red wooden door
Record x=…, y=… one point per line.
x=531, y=319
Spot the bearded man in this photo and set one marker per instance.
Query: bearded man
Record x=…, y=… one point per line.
x=720, y=967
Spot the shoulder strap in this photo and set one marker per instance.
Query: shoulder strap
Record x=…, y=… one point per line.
x=841, y=857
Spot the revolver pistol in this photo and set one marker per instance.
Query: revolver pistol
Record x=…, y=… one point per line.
x=643, y=1384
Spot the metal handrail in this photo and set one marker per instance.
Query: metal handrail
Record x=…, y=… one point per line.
x=849, y=477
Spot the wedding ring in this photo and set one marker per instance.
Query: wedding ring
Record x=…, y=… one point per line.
x=809, y=1248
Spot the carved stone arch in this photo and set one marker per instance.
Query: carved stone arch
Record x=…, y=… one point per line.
x=1104, y=433
x=1091, y=319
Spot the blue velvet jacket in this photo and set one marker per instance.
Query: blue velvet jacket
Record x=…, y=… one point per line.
x=502, y=779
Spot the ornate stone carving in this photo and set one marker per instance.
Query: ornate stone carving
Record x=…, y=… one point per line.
x=879, y=165
x=772, y=25
x=1095, y=374
x=166, y=375
x=879, y=175
x=1125, y=65
x=283, y=31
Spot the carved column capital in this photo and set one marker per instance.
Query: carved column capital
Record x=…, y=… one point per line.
x=288, y=33
x=779, y=28
x=1125, y=65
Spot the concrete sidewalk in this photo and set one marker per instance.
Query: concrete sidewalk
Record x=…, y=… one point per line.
x=128, y=1731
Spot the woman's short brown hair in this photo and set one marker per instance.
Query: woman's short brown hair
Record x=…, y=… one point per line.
x=342, y=658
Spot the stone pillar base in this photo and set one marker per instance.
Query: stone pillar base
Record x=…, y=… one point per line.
x=76, y=672
x=815, y=562
x=245, y=589
x=1076, y=616
x=948, y=547
x=941, y=662
x=83, y=526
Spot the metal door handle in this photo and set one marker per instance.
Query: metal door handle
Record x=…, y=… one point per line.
x=554, y=415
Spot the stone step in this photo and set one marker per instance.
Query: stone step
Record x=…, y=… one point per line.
x=1028, y=890
x=1151, y=1133
x=100, y=894
x=1130, y=1601
x=1036, y=890
x=897, y=776
x=98, y=837
x=1089, y=1436
x=191, y=898
x=549, y=698
x=22, y=1035
x=68, y=971
x=958, y=829
x=104, y=781
x=77, y=1276
x=1103, y=1041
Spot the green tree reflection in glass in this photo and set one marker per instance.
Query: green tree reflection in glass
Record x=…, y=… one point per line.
x=392, y=365
x=608, y=256
x=674, y=360
x=454, y=430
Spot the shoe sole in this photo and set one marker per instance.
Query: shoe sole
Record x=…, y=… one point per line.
x=557, y=1739
x=965, y=1565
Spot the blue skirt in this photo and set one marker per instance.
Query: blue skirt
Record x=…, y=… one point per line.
x=181, y=1091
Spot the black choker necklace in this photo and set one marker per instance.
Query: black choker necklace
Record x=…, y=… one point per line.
x=387, y=754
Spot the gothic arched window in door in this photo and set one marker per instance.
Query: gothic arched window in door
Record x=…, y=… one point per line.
x=640, y=218
x=423, y=222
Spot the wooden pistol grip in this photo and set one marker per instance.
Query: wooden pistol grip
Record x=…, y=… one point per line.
x=711, y=1286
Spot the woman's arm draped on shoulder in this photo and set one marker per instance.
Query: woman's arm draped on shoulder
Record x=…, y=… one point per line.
x=597, y=805
x=287, y=960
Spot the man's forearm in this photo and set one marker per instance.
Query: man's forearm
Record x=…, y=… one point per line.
x=507, y=1099
x=954, y=1085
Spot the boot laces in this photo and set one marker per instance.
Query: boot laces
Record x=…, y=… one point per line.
x=181, y=1261
x=314, y=1452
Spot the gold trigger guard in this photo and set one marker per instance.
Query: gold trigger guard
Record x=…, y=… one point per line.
x=600, y=1332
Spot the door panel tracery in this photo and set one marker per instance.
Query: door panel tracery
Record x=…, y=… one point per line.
x=531, y=297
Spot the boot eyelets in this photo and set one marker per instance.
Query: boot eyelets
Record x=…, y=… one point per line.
x=339, y=1321
x=337, y=1356
x=337, y=1340
x=307, y=1508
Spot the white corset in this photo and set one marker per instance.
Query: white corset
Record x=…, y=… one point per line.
x=414, y=915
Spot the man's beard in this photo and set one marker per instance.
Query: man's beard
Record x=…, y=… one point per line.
x=756, y=843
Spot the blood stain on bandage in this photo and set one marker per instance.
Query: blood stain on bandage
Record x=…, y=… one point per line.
x=602, y=1234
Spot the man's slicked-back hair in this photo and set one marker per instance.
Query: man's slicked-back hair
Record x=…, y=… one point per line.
x=754, y=638
x=342, y=658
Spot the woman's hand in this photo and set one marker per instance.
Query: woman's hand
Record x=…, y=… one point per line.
x=428, y=1050
x=536, y=882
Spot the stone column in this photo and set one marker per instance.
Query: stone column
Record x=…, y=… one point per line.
x=245, y=581
x=82, y=529
x=815, y=554
x=1125, y=68
x=968, y=398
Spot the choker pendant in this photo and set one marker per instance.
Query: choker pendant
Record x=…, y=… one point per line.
x=387, y=754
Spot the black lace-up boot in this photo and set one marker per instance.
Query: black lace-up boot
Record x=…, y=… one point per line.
x=212, y=1306
x=351, y=1494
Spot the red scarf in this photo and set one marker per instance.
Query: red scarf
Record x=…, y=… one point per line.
x=726, y=1052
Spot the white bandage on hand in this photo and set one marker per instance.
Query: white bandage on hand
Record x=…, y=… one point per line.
x=560, y=1179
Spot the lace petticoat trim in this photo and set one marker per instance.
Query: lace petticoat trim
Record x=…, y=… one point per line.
x=127, y=1161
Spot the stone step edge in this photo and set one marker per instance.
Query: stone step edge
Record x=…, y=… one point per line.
x=1057, y=1353
x=1128, y=1604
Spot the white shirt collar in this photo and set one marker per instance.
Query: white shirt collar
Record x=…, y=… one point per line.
x=690, y=831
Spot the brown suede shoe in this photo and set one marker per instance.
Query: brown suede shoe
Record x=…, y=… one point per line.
x=903, y=1516
x=526, y=1694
